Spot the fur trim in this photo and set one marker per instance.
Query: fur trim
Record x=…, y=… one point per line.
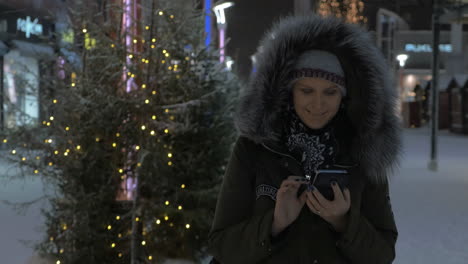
x=370, y=104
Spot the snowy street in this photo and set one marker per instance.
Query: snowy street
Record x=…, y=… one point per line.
x=430, y=207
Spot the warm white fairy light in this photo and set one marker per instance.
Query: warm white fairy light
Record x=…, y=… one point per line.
x=187, y=226
x=167, y=202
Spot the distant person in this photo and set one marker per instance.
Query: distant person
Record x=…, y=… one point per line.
x=307, y=181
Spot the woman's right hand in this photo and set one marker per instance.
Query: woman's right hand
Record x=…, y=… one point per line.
x=288, y=205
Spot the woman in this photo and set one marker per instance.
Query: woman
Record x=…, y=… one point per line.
x=321, y=99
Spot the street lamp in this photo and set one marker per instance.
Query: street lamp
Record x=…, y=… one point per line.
x=222, y=25
x=402, y=59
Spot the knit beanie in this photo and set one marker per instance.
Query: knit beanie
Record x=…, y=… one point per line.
x=319, y=64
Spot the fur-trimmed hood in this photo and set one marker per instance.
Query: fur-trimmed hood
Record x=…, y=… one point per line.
x=370, y=104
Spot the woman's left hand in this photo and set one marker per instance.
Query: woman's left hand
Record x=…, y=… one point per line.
x=334, y=212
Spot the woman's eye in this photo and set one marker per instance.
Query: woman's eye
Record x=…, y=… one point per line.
x=307, y=91
x=331, y=92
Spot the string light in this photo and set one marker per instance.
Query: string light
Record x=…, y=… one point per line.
x=187, y=226
x=119, y=235
x=78, y=147
x=143, y=127
x=85, y=30
x=172, y=118
x=169, y=155
x=120, y=255
x=180, y=207
x=135, y=41
x=158, y=222
x=154, y=117
x=167, y=110
x=143, y=86
x=67, y=128
x=130, y=56
x=147, y=61
x=64, y=227
x=147, y=27
x=137, y=219
x=23, y=159
x=51, y=118
x=150, y=257
x=182, y=186
x=38, y=158
x=172, y=16
x=58, y=262
x=169, y=163
x=137, y=147
x=166, y=130
x=171, y=224
x=147, y=101
x=48, y=123
x=121, y=170
x=117, y=217
x=167, y=203
x=109, y=227
x=161, y=13
x=112, y=45
x=113, y=245
x=166, y=217
x=164, y=51
x=163, y=61
x=97, y=139
x=138, y=164
x=114, y=144
x=51, y=163
x=133, y=75
x=73, y=84
x=56, y=152
x=65, y=154
x=61, y=251
x=51, y=238
x=152, y=132
x=152, y=46
x=154, y=92
x=13, y=152
x=143, y=243
x=5, y=140
x=54, y=101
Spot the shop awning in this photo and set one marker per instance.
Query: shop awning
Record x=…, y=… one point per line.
x=39, y=51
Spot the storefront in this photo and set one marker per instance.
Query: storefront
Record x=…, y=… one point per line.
x=23, y=49
x=416, y=68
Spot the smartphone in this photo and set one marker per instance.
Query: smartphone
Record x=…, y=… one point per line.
x=324, y=178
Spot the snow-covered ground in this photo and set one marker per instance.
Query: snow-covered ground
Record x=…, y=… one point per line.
x=431, y=208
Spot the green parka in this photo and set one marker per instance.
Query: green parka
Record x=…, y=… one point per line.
x=241, y=231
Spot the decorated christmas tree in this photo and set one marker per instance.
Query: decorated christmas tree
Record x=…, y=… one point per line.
x=136, y=128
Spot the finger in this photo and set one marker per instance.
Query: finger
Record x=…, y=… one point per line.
x=313, y=200
x=297, y=178
x=337, y=191
x=287, y=183
x=312, y=207
x=321, y=200
x=303, y=198
x=347, y=195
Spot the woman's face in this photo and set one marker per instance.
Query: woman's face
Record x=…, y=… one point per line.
x=316, y=101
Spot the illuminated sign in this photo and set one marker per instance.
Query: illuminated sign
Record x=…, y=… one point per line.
x=427, y=47
x=29, y=27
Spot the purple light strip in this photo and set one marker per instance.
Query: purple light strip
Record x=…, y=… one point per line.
x=222, y=40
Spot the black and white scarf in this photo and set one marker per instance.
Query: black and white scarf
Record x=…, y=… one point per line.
x=315, y=148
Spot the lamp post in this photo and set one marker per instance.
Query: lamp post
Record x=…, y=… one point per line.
x=402, y=58
x=222, y=25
